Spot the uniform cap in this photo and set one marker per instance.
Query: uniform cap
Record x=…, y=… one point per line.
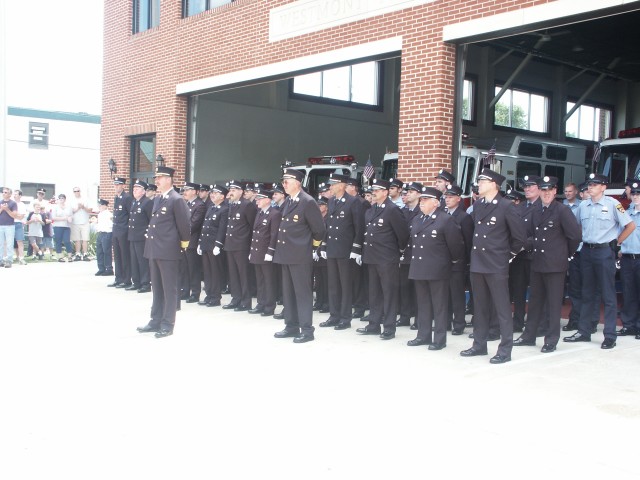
x=446, y=176
x=547, y=183
x=417, y=186
x=140, y=183
x=292, y=173
x=277, y=187
x=164, y=172
x=396, y=182
x=220, y=189
x=488, y=174
x=337, y=178
x=380, y=184
x=453, y=190
x=321, y=201
x=235, y=184
x=635, y=187
x=323, y=187
x=191, y=186
x=41, y=190
x=430, y=192
x=103, y=202
x=119, y=180
x=513, y=194
x=204, y=188
x=598, y=179
x=262, y=192
x=152, y=187
x=530, y=180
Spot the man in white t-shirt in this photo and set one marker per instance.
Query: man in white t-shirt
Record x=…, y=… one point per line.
x=80, y=228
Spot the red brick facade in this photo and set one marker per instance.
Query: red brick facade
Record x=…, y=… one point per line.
x=141, y=71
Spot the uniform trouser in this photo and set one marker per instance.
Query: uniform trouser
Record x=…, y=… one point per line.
x=598, y=268
x=140, y=275
x=457, y=300
x=575, y=294
x=407, y=300
x=164, y=277
x=340, y=288
x=321, y=281
x=212, y=266
x=491, y=291
x=253, y=287
x=433, y=303
x=192, y=273
x=297, y=294
x=630, y=276
x=121, y=257
x=266, y=274
x=238, y=262
x=545, y=301
x=383, y=294
x=360, y=292
x=519, y=274
x=103, y=252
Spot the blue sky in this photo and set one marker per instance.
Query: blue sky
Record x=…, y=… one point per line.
x=54, y=55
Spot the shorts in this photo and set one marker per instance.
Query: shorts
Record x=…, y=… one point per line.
x=36, y=240
x=19, y=237
x=80, y=232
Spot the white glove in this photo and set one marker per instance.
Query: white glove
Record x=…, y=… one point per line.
x=216, y=250
x=199, y=250
x=249, y=257
x=323, y=254
x=402, y=258
x=268, y=258
x=315, y=256
x=356, y=257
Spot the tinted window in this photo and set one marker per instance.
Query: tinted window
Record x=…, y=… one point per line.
x=528, y=149
x=558, y=172
x=556, y=153
x=523, y=169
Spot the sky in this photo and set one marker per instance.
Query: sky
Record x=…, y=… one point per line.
x=54, y=55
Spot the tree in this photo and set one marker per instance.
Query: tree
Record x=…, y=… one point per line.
x=518, y=116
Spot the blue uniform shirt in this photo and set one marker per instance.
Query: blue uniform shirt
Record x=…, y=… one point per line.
x=601, y=221
x=574, y=207
x=632, y=242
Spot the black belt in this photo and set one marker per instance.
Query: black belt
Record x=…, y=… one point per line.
x=595, y=245
x=635, y=256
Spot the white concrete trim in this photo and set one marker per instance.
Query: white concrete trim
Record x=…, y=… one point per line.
x=306, y=16
x=355, y=52
x=527, y=16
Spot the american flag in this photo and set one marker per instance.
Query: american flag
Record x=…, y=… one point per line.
x=491, y=156
x=369, y=171
x=596, y=155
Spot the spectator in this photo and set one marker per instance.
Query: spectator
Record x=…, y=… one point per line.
x=80, y=226
x=47, y=228
x=36, y=222
x=62, y=216
x=103, y=241
x=19, y=225
x=8, y=212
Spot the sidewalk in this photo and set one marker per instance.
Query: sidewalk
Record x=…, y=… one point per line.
x=84, y=396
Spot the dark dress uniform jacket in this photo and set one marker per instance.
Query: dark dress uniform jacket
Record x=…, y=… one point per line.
x=265, y=235
x=197, y=210
x=242, y=214
x=465, y=222
x=436, y=243
x=386, y=234
x=556, y=235
x=301, y=223
x=214, y=227
x=121, y=209
x=499, y=234
x=409, y=215
x=139, y=217
x=526, y=212
x=345, y=227
x=169, y=226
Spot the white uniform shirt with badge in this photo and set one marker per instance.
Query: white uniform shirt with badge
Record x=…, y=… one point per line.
x=601, y=221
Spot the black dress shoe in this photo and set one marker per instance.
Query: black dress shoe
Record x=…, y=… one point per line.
x=163, y=332
x=364, y=318
x=256, y=310
x=403, y=322
x=608, y=343
x=548, y=348
x=230, y=306
x=471, y=335
x=304, y=338
x=387, y=335
x=266, y=313
x=369, y=330
x=594, y=329
x=241, y=308
x=278, y=316
x=144, y=289
x=500, y=359
x=213, y=303
x=193, y=299
x=99, y=273
x=417, y=342
x=342, y=326
x=133, y=286
x=184, y=296
x=472, y=352
x=114, y=284
x=413, y=327
x=577, y=337
x=521, y=342
x=457, y=331
x=123, y=285
x=570, y=327
x=147, y=329
x=324, y=310
x=332, y=322
x=437, y=346
x=638, y=337
x=358, y=314
x=624, y=331
x=316, y=307
x=287, y=333
x=206, y=300
x=518, y=329
x=108, y=273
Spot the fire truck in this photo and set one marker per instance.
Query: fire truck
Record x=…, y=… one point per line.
x=619, y=159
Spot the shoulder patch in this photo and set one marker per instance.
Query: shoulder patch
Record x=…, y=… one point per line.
x=620, y=208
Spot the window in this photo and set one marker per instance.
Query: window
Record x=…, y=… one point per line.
x=558, y=172
x=353, y=84
x=146, y=15
x=522, y=110
x=193, y=7
x=589, y=122
x=143, y=154
x=38, y=135
x=468, y=100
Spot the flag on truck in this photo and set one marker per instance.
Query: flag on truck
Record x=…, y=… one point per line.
x=369, y=171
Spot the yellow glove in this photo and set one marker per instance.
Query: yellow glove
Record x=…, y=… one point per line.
x=316, y=243
x=184, y=244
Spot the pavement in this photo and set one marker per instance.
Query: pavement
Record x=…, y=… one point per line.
x=84, y=396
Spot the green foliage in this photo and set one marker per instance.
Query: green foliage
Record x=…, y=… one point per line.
x=518, y=116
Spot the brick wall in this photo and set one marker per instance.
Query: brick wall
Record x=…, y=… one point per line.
x=142, y=70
